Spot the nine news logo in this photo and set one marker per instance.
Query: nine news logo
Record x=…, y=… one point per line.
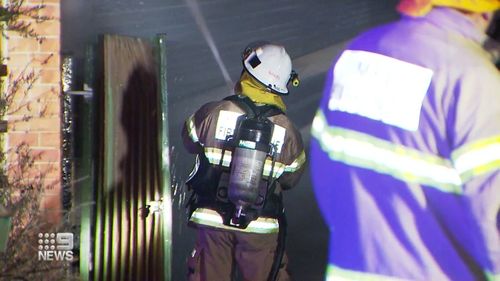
x=55, y=246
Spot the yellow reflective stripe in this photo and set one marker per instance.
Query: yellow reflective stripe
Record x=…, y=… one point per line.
x=477, y=158
x=491, y=276
x=214, y=155
x=211, y=218
x=297, y=164
x=335, y=273
x=365, y=151
x=191, y=128
x=278, y=169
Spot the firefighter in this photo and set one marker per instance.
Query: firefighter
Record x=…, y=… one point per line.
x=405, y=155
x=247, y=152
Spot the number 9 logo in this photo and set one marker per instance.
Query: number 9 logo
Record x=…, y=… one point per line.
x=64, y=241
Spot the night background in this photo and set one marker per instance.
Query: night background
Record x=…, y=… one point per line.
x=312, y=32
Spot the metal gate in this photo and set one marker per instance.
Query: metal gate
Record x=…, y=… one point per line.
x=132, y=239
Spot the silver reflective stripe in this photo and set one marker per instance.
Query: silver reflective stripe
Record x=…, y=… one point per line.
x=477, y=158
x=191, y=128
x=335, y=273
x=211, y=218
x=278, y=169
x=214, y=154
x=407, y=164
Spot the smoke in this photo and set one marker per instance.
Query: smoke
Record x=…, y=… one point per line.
x=202, y=25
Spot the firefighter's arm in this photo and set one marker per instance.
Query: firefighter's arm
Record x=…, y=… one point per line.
x=190, y=138
x=296, y=166
x=290, y=179
x=476, y=156
x=196, y=127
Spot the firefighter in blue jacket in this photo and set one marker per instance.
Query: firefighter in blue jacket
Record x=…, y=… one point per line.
x=405, y=155
x=248, y=152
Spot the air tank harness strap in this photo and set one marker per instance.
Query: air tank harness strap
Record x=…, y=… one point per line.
x=252, y=111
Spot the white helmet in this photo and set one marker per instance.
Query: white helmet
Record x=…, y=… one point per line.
x=270, y=65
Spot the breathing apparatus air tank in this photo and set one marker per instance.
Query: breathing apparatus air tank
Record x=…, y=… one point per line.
x=252, y=145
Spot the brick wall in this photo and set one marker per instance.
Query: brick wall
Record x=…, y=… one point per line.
x=42, y=103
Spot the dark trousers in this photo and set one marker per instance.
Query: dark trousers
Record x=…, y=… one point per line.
x=218, y=252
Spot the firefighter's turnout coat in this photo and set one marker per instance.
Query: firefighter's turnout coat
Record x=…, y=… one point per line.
x=206, y=132
x=405, y=156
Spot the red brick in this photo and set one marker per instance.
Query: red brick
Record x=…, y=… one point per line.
x=19, y=60
x=48, y=92
x=21, y=111
x=49, y=60
x=50, y=139
x=48, y=155
x=50, y=10
x=38, y=172
x=37, y=124
x=24, y=72
x=51, y=108
x=38, y=108
x=46, y=124
x=50, y=202
x=47, y=172
x=15, y=171
x=50, y=45
x=42, y=133
x=51, y=207
x=51, y=189
x=22, y=45
x=50, y=76
x=50, y=171
x=17, y=138
x=48, y=28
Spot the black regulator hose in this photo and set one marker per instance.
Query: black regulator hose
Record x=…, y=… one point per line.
x=280, y=248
